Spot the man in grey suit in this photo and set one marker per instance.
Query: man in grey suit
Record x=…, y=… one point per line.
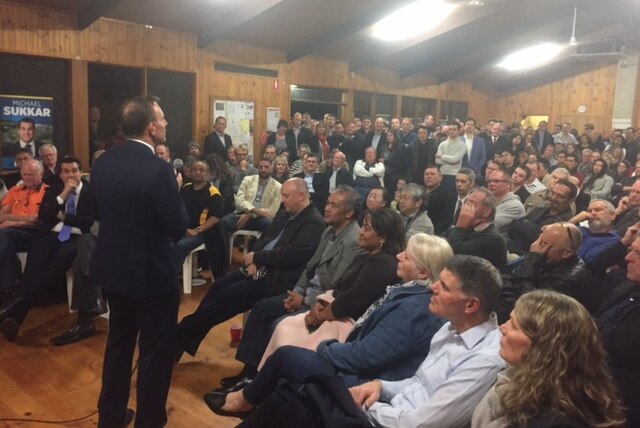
x=410, y=206
x=338, y=246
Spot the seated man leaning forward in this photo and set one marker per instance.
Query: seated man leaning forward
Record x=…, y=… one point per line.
x=278, y=260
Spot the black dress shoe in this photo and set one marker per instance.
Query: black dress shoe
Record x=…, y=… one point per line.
x=215, y=400
x=9, y=329
x=129, y=417
x=239, y=385
x=228, y=382
x=76, y=333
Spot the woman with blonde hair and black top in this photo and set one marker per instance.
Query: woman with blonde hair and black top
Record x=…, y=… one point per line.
x=558, y=376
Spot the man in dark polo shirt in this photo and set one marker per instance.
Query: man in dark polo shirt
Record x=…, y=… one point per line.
x=204, y=205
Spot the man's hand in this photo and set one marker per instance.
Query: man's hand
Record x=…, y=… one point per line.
x=248, y=259
x=540, y=248
x=191, y=233
x=311, y=319
x=367, y=393
x=293, y=301
x=69, y=186
x=467, y=216
x=630, y=235
x=623, y=206
x=252, y=270
x=261, y=212
x=243, y=165
x=580, y=217
x=244, y=218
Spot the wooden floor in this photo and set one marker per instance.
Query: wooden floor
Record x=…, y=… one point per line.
x=40, y=381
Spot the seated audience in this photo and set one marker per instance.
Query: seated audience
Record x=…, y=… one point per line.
x=599, y=236
x=163, y=152
x=388, y=342
x=48, y=154
x=278, y=139
x=270, y=152
x=278, y=259
x=368, y=173
x=552, y=334
x=65, y=213
x=204, y=205
x=533, y=183
x=526, y=230
x=474, y=233
x=628, y=209
x=410, y=207
x=553, y=262
x=19, y=221
x=12, y=179
x=377, y=198
x=297, y=165
x=257, y=202
x=335, y=175
x=509, y=207
x=242, y=168
x=465, y=183
x=599, y=183
x=519, y=177
x=335, y=311
x=436, y=197
x=541, y=198
x=335, y=253
x=618, y=319
x=313, y=179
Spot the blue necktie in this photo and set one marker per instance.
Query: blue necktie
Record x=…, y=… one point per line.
x=65, y=232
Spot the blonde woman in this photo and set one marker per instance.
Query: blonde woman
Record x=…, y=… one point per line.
x=558, y=374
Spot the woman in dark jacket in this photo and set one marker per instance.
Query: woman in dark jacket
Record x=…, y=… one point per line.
x=397, y=162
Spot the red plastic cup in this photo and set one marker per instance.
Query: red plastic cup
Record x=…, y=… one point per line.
x=236, y=335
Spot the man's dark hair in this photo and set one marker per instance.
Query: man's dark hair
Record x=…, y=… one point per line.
x=526, y=170
x=27, y=120
x=24, y=150
x=454, y=123
x=351, y=200
x=478, y=278
x=470, y=119
x=573, y=190
x=71, y=159
x=136, y=114
x=572, y=155
x=339, y=122
x=430, y=166
x=545, y=163
x=313, y=155
x=385, y=194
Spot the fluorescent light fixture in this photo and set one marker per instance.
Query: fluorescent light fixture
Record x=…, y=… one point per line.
x=531, y=57
x=413, y=19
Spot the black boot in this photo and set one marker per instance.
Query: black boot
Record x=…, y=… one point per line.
x=12, y=314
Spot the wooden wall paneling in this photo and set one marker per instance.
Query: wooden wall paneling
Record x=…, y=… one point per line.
x=79, y=120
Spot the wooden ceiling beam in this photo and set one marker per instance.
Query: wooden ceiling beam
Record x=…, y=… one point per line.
x=92, y=13
x=241, y=14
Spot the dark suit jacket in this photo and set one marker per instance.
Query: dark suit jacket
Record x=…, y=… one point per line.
x=438, y=210
x=502, y=143
x=546, y=140
x=353, y=149
x=12, y=149
x=383, y=145
x=303, y=138
x=295, y=247
x=478, y=156
x=86, y=211
x=141, y=212
x=319, y=196
x=212, y=144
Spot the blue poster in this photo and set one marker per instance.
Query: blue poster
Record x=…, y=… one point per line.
x=15, y=107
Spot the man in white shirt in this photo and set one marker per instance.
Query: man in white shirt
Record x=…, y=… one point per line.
x=565, y=137
x=463, y=359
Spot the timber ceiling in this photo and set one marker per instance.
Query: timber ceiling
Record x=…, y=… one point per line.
x=466, y=46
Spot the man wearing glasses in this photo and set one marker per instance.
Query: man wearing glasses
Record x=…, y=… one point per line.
x=509, y=206
x=18, y=221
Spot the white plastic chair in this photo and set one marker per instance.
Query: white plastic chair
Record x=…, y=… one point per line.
x=247, y=234
x=187, y=268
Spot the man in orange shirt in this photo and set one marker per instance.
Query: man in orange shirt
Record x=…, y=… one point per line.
x=18, y=222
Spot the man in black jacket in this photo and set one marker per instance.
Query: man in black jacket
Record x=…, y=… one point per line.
x=278, y=259
x=553, y=262
x=218, y=142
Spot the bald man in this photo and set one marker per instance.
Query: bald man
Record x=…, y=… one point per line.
x=553, y=262
x=278, y=259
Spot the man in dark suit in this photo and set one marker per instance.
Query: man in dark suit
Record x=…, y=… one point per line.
x=542, y=138
x=313, y=179
x=66, y=212
x=278, y=259
x=436, y=198
x=296, y=135
x=476, y=156
x=377, y=138
x=329, y=180
x=218, y=142
x=26, y=133
x=141, y=212
x=497, y=143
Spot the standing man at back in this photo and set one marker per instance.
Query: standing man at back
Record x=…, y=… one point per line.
x=140, y=214
x=218, y=141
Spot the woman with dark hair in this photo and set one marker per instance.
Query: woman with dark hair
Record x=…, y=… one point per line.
x=278, y=138
x=397, y=161
x=558, y=374
x=389, y=341
x=599, y=183
x=381, y=237
x=517, y=145
x=222, y=179
x=585, y=142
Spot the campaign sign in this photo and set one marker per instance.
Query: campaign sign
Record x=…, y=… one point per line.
x=15, y=107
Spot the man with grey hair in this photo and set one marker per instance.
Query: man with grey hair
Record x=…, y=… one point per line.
x=445, y=391
x=49, y=156
x=540, y=199
x=18, y=222
x=465, y=183
x=474, y=233
x=599, y=236
x=410, y=206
